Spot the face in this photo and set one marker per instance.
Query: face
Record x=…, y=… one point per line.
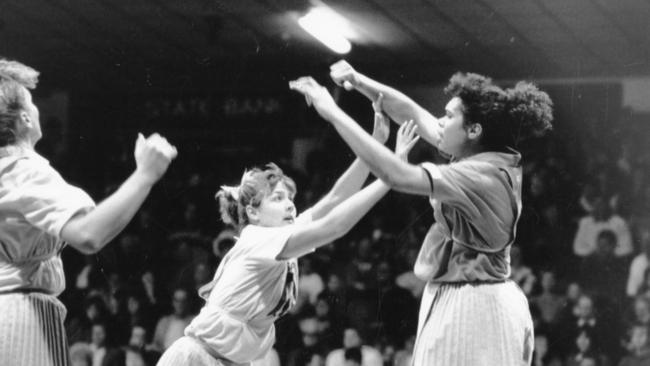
x=138, y=337
x=276, y=208
x=98, y=335
x=453, y=137
x=179, y=302
x=583, y=342
x=33, y=117
x=351, y=338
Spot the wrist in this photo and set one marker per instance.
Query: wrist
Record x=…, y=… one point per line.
x=142, y=178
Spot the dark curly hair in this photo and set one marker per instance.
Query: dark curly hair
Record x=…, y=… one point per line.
x=255, y=185
x=14, y=78
x=507, y=117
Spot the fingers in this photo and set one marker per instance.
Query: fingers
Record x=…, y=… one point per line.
x=412, y=143
x=159, y=144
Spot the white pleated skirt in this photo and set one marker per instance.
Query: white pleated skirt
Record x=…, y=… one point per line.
x=187, y=351
x=469, y=324
x=31, y=330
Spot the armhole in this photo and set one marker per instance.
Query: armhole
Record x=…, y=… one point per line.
x=426, y=172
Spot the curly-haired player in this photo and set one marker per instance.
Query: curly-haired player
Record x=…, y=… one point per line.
x=470, y=314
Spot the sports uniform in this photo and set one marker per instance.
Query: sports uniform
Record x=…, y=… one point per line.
x=471, y=314
x=250, y=290
x=35, y=204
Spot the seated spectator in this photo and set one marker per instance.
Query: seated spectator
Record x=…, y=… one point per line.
x=310, y=282
x=139, y=343
x=336, y=294
x=329, y=324
x=79, y=327
x=104, y=353
x=602, y=218
x=404, y=355
x=638, y=347
x=520, y=273
x=601, y=272
x=548, y=301
x=172, y=327
x=352, y=339
x=308, y=325
x=639, y=265
x=583, y=349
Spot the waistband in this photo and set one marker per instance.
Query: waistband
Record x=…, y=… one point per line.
x=25, y=291
x=215, y=354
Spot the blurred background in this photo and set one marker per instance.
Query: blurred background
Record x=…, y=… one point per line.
x=212, y=76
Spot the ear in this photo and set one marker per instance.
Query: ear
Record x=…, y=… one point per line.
x=24, y=119
x=474, y=131
x=253, y=216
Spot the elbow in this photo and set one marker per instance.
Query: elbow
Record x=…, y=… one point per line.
x=87, y=244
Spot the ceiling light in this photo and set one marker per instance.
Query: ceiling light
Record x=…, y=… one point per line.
x=325, y=25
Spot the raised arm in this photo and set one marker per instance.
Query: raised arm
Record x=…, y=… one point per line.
x=399, y=107
x=344, y=216
x=398, y=174
x=355, y=176
x=90, y=232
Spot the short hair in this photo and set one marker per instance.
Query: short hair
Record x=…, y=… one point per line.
x=14, y=79
x=353, y=354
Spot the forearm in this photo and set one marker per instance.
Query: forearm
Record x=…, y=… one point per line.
x=382, y=162
x=348, y=183
x=336, y=223
x=92, y=231
x=400, y=108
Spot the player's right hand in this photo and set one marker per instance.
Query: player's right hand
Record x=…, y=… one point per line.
x=344, y=75
x=153, y=156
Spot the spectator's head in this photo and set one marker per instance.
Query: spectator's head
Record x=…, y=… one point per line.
x=306, y=266
x=548, y=281
x=322, y=306
x=335, y=283
x=573, y=292
x=351, y=338
x=180, y=302
x=99, y=334
x=308, y=324
x=589, y=360
x=639, y=338
x=316, y=359
x=352, y=356
x=584, y=341
x=584, y=308
x=606, y=243
x=202, y=273
x=81, y=354
x=139, y=337
x=95, y=308
x=385, y=274
x=642, y=310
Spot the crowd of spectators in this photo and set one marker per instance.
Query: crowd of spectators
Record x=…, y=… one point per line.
x=582, y=257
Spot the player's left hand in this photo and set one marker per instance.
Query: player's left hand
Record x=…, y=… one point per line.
x=381, y=129
x=315, y=94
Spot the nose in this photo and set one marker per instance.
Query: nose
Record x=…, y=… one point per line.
x=291, y=207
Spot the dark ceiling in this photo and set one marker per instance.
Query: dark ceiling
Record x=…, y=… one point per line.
x=164, y=43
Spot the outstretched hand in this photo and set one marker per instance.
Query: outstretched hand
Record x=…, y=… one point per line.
x=344, y=75
x=153, y=156
x=315, y=94
x=406, y=138
x=381, y=128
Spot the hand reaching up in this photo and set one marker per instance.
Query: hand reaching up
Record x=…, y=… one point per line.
x=406, y=139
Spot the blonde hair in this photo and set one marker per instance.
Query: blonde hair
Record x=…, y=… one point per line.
x=14, y=79
x=254, y=186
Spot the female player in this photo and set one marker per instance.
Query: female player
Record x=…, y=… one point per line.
x=39, y=213
x=471, y=314
x=255, y=283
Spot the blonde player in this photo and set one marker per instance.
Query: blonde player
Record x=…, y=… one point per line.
x=255, y=283
x=39, y=213
x=471, y=314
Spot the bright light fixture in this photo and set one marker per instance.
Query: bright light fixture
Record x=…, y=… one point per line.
x=325, y=25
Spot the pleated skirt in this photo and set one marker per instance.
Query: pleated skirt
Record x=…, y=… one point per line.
x=31, y=330
x=468, y=324
x=188, y=351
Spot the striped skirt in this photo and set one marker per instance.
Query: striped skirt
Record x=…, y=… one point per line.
x=189, y=351
x=467, y=324
x=31, y=329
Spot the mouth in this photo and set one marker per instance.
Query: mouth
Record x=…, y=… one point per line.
x=289, y=220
